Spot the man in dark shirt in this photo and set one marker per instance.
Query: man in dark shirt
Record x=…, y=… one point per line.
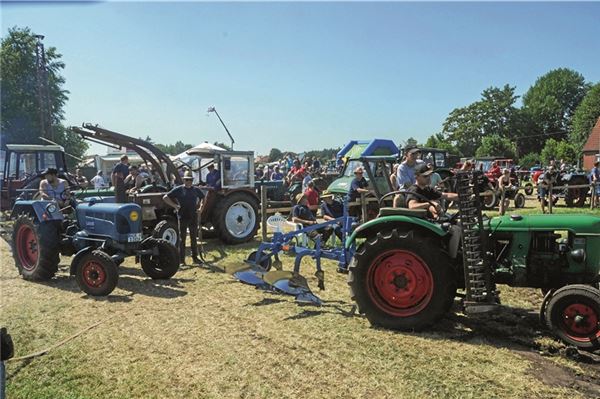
x=429, y=197
x=213, y=177
x=302, y=214
x=359, y=185
x=186, y=199
x=119, y=173
x=331, y=209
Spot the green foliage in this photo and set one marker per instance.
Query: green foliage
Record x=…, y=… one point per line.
x=173, y=149
x=438, y=140
x=275, y=154
x=585, y=117
x=496, y=145
x=493, y=114
x=551, y=101
x=529, y=160
x=323, y=155
x=20, y=109
x=554, y=149
x=222, y=145
x=411, y=142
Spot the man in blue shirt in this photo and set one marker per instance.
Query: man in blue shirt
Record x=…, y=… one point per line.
x=359, y=185
x=186, y=199
x=406, y=171
x=277, y=175
x=213, y=177
x=302, y=214
x=119, y=173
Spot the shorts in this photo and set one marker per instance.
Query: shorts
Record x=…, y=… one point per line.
x=542, y=192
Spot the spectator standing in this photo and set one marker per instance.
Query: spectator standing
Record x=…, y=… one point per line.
x=98, y=180
x=186, y=199
x=595, y=179
x=119, y=173
x=312, y=195
x=81, y=179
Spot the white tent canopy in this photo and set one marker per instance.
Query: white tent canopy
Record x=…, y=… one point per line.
x=206, y=146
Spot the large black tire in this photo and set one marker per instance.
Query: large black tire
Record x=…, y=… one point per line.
x=576, y=196
x=237, y=217
x=161, y=266
x=96, y=273
x=490, y=201
x=167, y=230
x=402, y=281
x=573, y=314
x=35, y=248
x=528, y=187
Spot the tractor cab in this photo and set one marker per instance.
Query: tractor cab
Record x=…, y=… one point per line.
x=21, y=166
x=376, y=157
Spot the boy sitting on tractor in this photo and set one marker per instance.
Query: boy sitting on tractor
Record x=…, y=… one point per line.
x=426, y=197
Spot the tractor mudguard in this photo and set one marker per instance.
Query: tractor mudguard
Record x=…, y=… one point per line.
x=40, y=210
x=392, y=222
x=76, y=258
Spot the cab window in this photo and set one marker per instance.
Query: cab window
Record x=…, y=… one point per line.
x=236, y=171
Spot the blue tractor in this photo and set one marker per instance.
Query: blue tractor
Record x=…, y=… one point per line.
x=100, y=235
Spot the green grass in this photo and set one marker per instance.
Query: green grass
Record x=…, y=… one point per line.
x=203, y=335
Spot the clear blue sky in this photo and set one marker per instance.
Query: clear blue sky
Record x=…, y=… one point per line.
x=301, y=75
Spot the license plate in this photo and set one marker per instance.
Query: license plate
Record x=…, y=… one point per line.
x=134, y=237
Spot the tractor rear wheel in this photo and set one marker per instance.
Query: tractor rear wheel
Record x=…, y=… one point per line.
x=528, y=188
x=96, y=273
x=161, y=266
x=35, y=248
x=573, y=313
x=402, y=281
x=237, y=217
x=167, y=230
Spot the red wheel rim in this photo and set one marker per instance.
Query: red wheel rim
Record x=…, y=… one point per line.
x=27, y=247
x=579, y=321
x=93, y=274
x=400, y=283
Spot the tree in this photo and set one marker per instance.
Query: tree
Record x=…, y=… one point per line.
x=554, y=149
x=411, y=142
x=585, y=117
x=553, y=99
x=275, y=154
x=495, y=145
x=529, y=160
x=438, y=140
x=494, y=114
x=222, y=145
x=173, y=149
x=21, y=110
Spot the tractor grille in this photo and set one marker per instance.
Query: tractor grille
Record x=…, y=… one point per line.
x=480, y=290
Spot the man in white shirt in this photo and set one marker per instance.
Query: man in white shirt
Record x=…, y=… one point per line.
x=98, y=181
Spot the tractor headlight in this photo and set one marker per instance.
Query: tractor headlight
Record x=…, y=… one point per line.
x=134, y=216
x=51, y=208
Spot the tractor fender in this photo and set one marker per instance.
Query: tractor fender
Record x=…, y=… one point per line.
x=78, y=256
x=37, y=209
x=372, y=227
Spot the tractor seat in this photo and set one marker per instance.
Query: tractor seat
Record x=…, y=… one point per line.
x=417, y=213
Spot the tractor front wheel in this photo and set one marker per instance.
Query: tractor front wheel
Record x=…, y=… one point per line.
x=519, y=200
x=36, y=248
x=573, y=314
x=402, y=281
x=167, y=230
x=161, y=266
x=96, y=273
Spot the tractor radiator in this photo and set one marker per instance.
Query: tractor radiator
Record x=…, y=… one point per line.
x=480, y=291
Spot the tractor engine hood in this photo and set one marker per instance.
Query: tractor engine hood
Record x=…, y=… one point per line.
x=578, y=224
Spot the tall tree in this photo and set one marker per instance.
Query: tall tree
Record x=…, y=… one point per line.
x=438, y=140
x=275, y=154
x=496, y=145
x=585, y=117
x=553, y=99
x=22, y=111
x=494, y=114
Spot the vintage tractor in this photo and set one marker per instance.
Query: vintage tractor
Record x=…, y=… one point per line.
x=101, y=236
x=22, y=165
x=407, y=267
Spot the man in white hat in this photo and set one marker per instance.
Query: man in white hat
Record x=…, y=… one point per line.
x=186, y=199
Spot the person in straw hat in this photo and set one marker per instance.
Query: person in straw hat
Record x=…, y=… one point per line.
x=186, y=199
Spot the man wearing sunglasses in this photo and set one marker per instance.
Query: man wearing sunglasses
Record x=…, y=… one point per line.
x=427, y=197
x=359, y=185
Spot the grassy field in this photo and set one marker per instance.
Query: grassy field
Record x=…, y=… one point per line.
x=204, y=335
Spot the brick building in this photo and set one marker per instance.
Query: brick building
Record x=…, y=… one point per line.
x=591, y=149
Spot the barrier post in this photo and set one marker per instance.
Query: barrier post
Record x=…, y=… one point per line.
x=363, y=207
x=264, y=203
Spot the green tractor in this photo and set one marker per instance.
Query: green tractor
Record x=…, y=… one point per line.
x=407, y=267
